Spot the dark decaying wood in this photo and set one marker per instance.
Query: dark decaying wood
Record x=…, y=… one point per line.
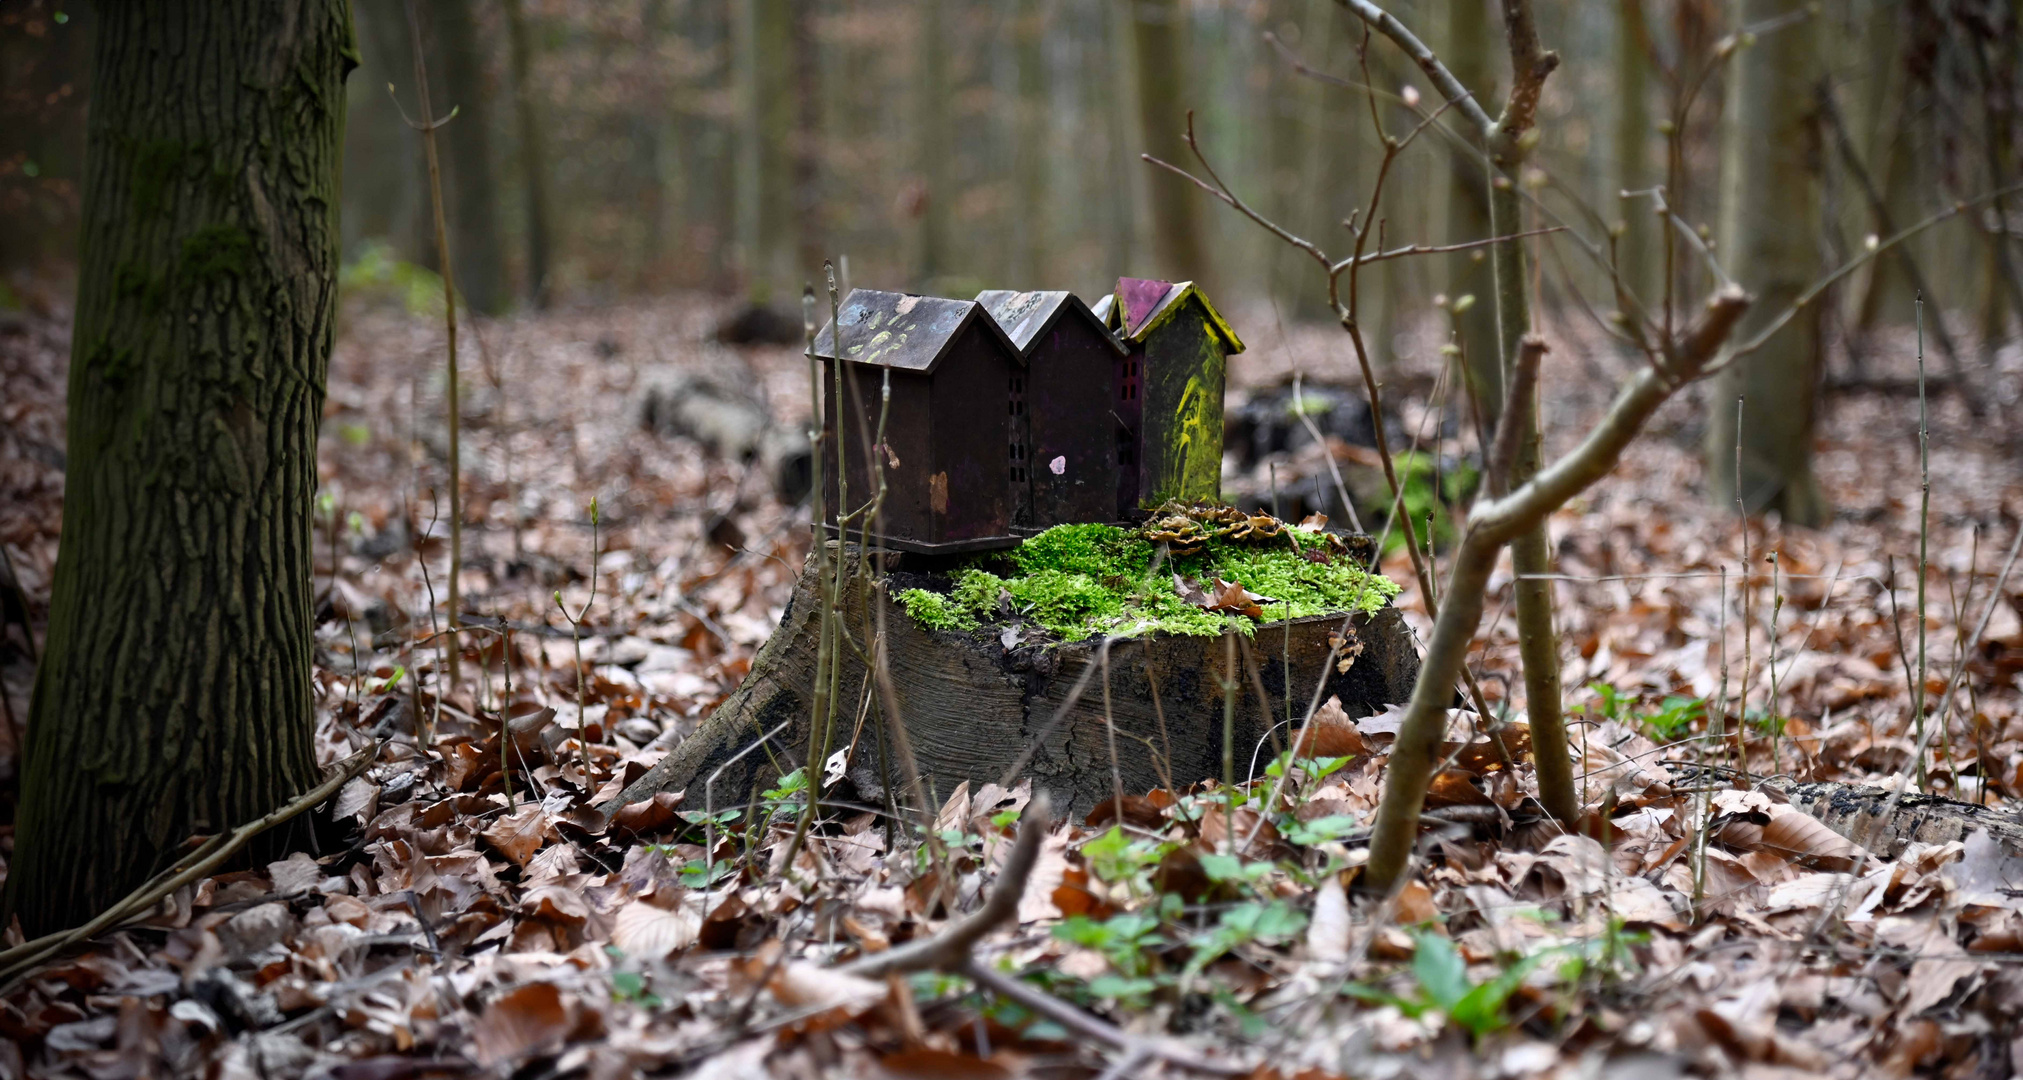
x=1856, y=812
x=972, y=708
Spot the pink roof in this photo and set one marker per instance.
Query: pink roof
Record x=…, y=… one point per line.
x=1139, y=298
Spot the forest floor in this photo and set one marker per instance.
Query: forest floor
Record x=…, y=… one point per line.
x=480, y=919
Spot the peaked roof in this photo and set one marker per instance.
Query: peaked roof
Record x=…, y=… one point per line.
x=1143, y=304
x=903, y=331
x=1027, y=316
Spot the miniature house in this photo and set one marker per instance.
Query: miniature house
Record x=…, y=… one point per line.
x=1170, y=401
x=955, y=455
x=1076, y=431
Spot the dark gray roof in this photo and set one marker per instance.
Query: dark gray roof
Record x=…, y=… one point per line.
x=1026, y=316
x=900, y=330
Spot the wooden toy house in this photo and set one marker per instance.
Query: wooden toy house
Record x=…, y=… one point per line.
x=1170, y=401
x=1081, y=445
x=955, y=449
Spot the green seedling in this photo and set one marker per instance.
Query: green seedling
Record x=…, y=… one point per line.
x=387, y=684
x=1267, y=922
x=1444, y=986
x=1320, y=830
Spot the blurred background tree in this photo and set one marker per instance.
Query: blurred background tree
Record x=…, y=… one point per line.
x=950, y=145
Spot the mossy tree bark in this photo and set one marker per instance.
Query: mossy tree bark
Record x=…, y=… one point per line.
x=174, y=695
x=1770, y=215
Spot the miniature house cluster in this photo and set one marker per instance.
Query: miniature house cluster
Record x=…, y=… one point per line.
x=1019, y=411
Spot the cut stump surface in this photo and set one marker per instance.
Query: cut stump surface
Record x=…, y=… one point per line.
x=972, y=708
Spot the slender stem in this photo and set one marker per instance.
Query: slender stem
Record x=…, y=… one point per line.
x=1742, y=595
x=1924, y=538
x=435, y=187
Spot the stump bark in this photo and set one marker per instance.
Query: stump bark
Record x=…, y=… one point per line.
x=973, y=707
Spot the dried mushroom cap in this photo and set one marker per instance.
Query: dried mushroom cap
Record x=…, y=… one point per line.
x=1185, y=529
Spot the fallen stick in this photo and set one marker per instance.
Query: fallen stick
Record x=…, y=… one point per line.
x=17, y=961
x=953, y=946
x=953, y=951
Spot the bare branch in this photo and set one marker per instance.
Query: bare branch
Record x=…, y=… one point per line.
x=196, y=865
x=1849, y=267
x=952, y=947
x=1438, y=249
x=1597, y=453
x=1509, y=431
x=1530, y=64
x=1442, y=79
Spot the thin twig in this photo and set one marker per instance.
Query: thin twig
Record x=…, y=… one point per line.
x=955, y=945
x=18, y=960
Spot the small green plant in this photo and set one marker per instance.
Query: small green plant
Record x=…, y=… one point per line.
x=1321, y=830
x=377, y=270
x=1270, y=922
x=1675, y=717
x=1766, y=723
x=1443, y=985
x=629, y=987
x=381, y=686
x=1118, y=858
x=1418, y=476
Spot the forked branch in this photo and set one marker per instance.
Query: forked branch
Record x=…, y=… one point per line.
x=1492, y=525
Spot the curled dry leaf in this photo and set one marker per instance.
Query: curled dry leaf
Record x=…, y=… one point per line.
x=1330, y=734
x=1233, y=599
x=648, y=816
x=522, y=1021
x=521, y=833
x=1215, y=831
x=1139, y=811
x=647, y=930
x=1782, y=829
x=803, y=985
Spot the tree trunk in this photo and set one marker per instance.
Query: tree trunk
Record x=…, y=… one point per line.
x=972, y=710
x=1769, y=233
x=1634, y=261
x=934, y=144
x=174, y=695
x=1469, y=272
x=386, y=193
x=1033, y=211
x=810, y=242
x=533, y=155
x=473, y=194
x=1178, y=231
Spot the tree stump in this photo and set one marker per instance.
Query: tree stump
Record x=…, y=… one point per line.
x=972, y=707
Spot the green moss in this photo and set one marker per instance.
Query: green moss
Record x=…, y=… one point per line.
x=1076, y=581
x=216, y=251
x=935, y=611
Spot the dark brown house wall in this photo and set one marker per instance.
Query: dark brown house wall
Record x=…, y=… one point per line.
x=906, y=513
x=1071, y=397
x=970, y=489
